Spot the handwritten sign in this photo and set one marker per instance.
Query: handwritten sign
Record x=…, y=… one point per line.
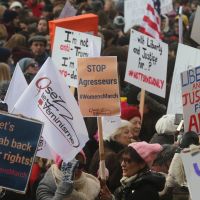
x=98, y=86
x=68, y=45
x=192, y=170
x=190, y=81
x=18, y=142
x=147, y=63
x=187, y=57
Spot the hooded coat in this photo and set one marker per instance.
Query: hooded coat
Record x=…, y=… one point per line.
x=142, y=187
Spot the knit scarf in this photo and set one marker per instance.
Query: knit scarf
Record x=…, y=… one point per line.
x=126, y=180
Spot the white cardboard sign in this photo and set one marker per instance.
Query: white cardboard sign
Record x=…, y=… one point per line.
x=195, y=34
x=187, y=57
x=147, y=63
x=68, y=45
x=192, y=170
x=190, y=82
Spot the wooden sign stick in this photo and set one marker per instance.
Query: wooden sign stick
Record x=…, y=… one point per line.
x=102, y=166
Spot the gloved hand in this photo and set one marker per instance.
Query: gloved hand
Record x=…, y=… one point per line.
x=68, y=170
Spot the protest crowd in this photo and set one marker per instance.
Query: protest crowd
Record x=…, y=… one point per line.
x=143, y=153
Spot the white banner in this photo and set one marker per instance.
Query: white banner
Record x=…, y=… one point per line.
x=68, y=45
x=147, y=63
x=48, y=99
x=16, y=87
x=187, y=57
x=192, y=170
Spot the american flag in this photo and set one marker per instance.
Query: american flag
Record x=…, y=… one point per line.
x=151, y=20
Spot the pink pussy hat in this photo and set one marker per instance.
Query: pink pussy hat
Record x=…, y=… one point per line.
x=148, y=152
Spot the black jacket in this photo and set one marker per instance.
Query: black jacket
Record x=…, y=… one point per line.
x=145, y=187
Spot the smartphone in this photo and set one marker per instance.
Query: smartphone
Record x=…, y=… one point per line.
x=178, y=118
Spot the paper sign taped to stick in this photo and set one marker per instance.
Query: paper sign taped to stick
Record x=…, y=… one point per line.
x=98, y=86
x=83, y=23
x=147, y=63
x=190, y=82
x=110, y=125
x=195, y=34
x=18, y=143
x=192, y=170
x=186, y=58
x=68, y=45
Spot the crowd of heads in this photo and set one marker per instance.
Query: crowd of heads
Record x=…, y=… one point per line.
x=139, y=143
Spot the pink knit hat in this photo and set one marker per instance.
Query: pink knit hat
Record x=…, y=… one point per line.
x=148, y=152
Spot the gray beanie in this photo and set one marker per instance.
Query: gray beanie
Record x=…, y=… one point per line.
x=165, y=125
x=25, y=62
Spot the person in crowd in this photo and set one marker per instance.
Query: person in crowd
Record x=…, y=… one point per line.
x=176, y=179
x=3, y=89
x=29, y=67
x=42, y=26
x=113, y=144
x=165, y=130
x=132, y=114
x=5, y=55
x=38, y=47
x=16, y=40
x=138, y=182
x=11, y=22
x=4, y=72
x=3, y=35
x=55, y=186
x=154, y=108
x=161, y=165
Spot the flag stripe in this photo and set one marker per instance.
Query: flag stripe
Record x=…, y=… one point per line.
x=151, y=21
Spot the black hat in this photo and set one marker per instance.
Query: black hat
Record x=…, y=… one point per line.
x=9, y=15
x=38, y=38
x=189, y=138
x=4, y=54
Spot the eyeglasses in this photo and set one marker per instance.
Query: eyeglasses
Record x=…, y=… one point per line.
x=126, y=160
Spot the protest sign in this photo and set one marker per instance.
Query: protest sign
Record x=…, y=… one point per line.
x=187, y=57
x=48, y=99
x=82, y=23
x=134, y=11
x=68, y=45
x=16, y=87
x=68, y=10
x=191, y=164
x=190, y=82
x=195, y=34
x=166, y=6
x=147, y=63
x=98, y=86
x=18, y=142
x=110, y=125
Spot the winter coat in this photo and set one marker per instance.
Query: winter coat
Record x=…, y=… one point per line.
x=87, y=187
x=144, y=186
x=111, y=148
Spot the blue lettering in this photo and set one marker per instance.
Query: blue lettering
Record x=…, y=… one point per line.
x=196, y=169
x=191, y=76
x=197, y=71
